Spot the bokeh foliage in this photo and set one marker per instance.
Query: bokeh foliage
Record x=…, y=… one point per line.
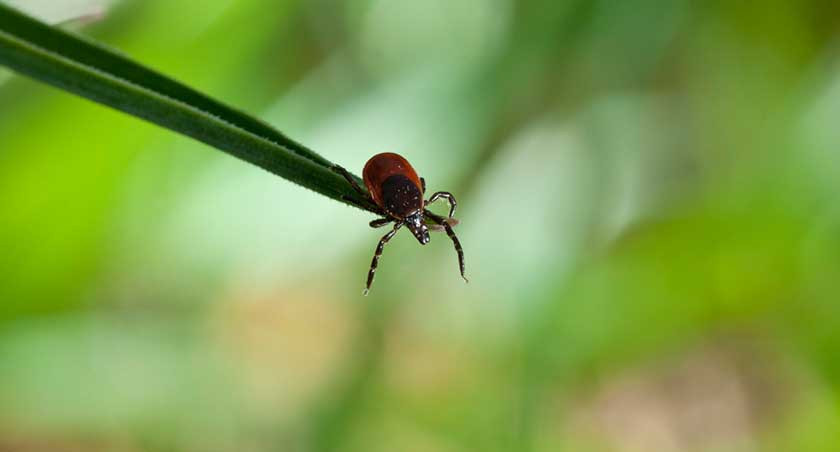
x=647, y=202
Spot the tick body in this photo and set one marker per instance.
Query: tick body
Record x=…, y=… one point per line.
x=397, y=192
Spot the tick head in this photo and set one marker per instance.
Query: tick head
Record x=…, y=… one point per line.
x=415, y=223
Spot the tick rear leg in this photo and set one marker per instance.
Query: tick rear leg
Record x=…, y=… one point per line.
x=349, y=177
x=370, y=207
x=443, y=222
x=379, y=222
x=375, y=262
x=423, y=185
x=447, y=196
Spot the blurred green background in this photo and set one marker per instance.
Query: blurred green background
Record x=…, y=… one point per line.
x=647, y=203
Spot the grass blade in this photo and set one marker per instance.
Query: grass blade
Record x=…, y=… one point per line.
x=90, y=70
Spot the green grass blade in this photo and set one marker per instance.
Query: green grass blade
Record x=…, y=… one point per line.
x=87, y=69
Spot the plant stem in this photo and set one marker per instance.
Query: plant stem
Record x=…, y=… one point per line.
x=77, y=65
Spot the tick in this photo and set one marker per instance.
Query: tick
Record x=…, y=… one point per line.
x=395, y=192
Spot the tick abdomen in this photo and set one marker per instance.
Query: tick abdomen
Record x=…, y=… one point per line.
x=401, y=196
x=382, y=166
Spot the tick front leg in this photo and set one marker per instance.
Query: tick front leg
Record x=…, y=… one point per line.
x=447, y=196
x=379, y=222
x=458, y=248
x=375, y=262
x=448, y=228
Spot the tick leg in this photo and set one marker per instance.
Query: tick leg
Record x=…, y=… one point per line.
x=443, y=222
x=346, y=174
x=375, y=262
x=379, y=222
x=458, y=248
x=438, y=221
x=369, y=207
x=423, y=185
x=447, y=196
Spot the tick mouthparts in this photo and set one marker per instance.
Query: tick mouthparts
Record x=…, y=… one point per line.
x=421, y=234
